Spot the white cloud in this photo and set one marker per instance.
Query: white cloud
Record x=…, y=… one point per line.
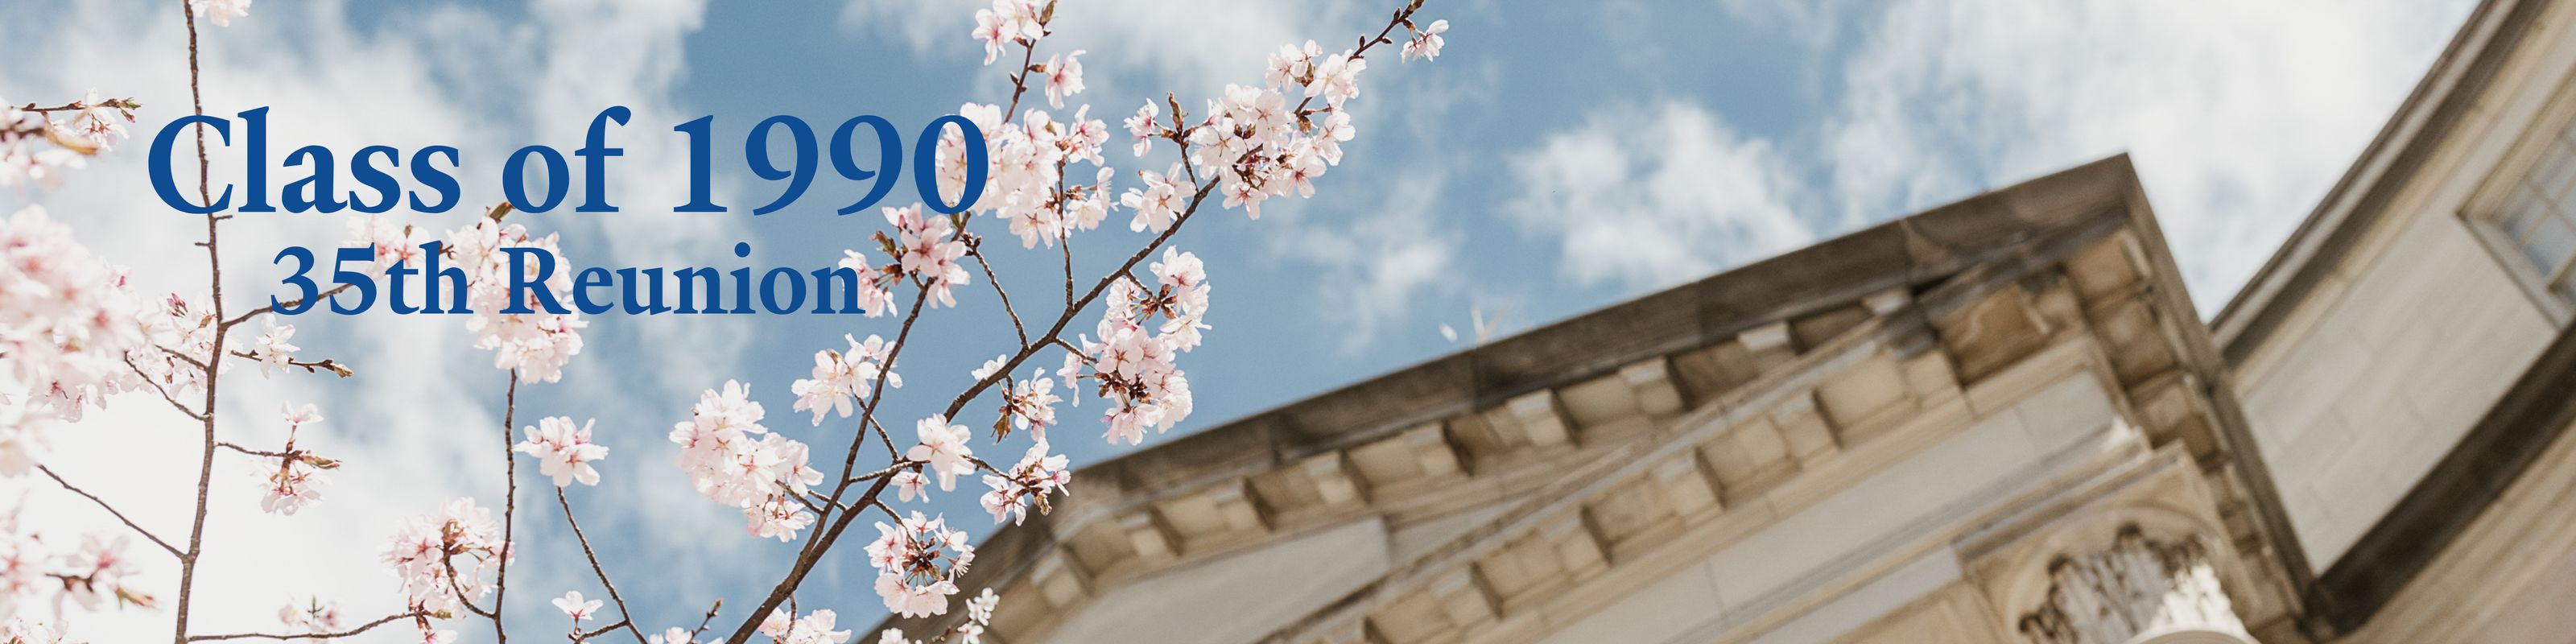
x=1371, y=271
x=2238, y=114
x=1649, y=197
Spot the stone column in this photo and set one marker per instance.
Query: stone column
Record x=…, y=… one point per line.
x=2140, y=589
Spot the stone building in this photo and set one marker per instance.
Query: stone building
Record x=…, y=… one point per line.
x=1999, y=420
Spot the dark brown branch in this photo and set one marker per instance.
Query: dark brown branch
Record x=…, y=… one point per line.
x=509, y=506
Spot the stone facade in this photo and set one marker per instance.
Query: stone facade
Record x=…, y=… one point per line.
x=1999, y=420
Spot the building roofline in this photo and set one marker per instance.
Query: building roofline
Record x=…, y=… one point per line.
x=2362, y=195
x=1907, y=251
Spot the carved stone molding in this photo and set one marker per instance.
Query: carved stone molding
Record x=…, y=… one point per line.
x=2139, y=589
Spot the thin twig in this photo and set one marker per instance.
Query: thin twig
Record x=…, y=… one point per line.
x=629, y=618
x=704, y=621
x=245, y=317
x=120, y=516
x=388, y=619
x=183, y=408
x=118, y=103
x=309, y=366
x=976, y=249
x=625, y=623
x=258, y=452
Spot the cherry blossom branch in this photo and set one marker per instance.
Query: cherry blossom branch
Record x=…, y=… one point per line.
x=1402, y=17
x=215, y=297
x=457, y=588
x=245, y=317
x=628, y=624
x=975, y=248
x=704, y=621
x=898, y=466
x=183, y=408
x=388, y=619
x=822, y=540
x=1020, y=79
x=111, y=510
x=804, y=562
x=118, y=103
x=254, y=452
x=182, y=357
x=304, y=455
x=1056, y=332
x=509, y=507
x=876, y=394
x=627, y=619
x=309, y=366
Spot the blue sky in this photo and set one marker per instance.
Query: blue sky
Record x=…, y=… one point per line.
x=1557, y=158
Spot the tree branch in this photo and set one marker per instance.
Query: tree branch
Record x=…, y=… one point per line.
x=628, y=618
x=120, y=516
x=509, y=506
x=309, y=366
x=245, y=317
x=388, y=619
x=164, y=391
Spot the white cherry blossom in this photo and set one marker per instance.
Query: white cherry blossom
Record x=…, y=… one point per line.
x=943, y=448
x=1426, y=41
x=564, y=452
x=221, y=12
x=1063, y=77
x=572, y=606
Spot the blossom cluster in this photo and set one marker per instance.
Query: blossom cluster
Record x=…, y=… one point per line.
x=1132, y=360
x=37, y=150
x=89, y=576
x=310, y=615
x=536, y=344
x=841, y=377
x=442, y=559
x=979, y=617
x=918, y=562
x=814, y=628
x=65, y=324
x=1037, y=475
x=735, y=461
x=925, y=248
x=1026, y=185
x=297, y=480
